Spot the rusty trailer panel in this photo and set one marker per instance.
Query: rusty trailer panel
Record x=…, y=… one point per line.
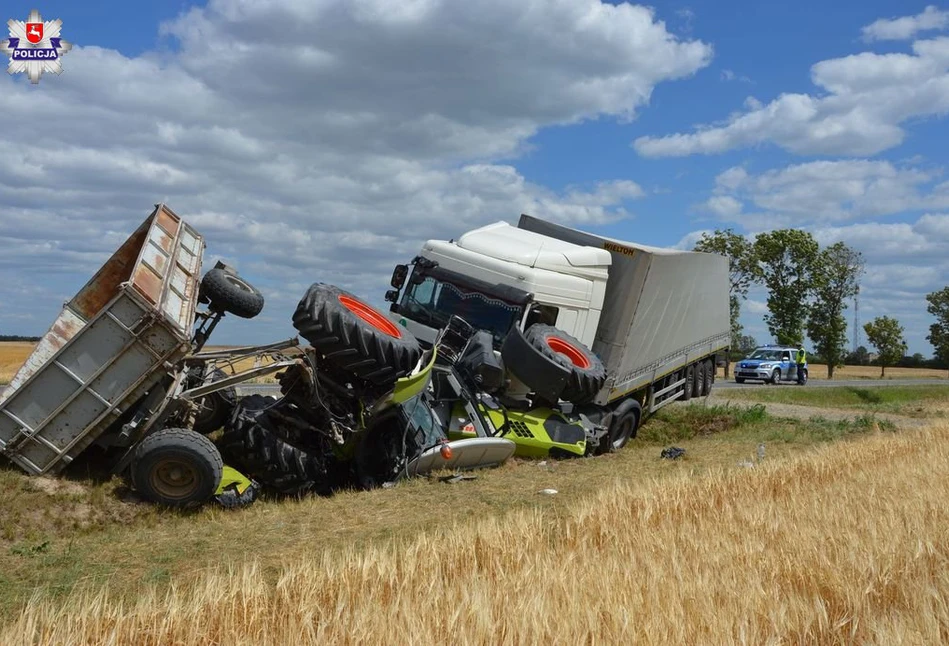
x=115, y=340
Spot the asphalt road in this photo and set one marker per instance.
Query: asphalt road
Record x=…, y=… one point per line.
x=836, y=383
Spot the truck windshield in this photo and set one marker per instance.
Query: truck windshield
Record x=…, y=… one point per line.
x=432, y=302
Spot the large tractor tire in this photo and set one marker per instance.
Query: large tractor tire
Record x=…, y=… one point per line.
x=587, y=374
x=215, y=409
x=354, y=336
x=228, y=292
x=177, y=468
x=255, y=447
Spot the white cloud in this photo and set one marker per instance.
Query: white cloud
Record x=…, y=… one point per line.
x=922, y=244
x=906, y=27
x=822, y=192
x=756, y=307
x=382, y=125
x=730, y=75
x=859, y=109
x=724, y=206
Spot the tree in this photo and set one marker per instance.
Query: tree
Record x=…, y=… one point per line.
x=743, y=271
x=747, y=344
x=886, y=335
x=835, y=278
x=786, y=260
x=859, y=357
x=939, y=331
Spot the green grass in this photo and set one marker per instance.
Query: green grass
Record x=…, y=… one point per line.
x=56, y=535
x=911, y=401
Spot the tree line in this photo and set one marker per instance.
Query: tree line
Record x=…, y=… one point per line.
x=808, y=290
x=15, y=337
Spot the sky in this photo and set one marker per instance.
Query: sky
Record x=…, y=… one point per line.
x=324, y=141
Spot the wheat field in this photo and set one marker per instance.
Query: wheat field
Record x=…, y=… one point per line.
x=844, y=544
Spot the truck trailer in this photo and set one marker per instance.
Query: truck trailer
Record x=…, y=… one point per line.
x=634, y=327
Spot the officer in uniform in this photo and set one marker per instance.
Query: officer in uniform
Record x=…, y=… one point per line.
x=801, y=359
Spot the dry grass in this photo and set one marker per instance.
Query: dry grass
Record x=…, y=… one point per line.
x=920, y=401
x=12, y=356
x=819, y=371
x=846, y=544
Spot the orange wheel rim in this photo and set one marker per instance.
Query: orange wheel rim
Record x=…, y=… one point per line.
x=371, y=316
x=576, y=357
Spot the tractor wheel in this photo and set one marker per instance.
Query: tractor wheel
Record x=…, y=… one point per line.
x=354, y=336
x=254, y=446
x=587, y=373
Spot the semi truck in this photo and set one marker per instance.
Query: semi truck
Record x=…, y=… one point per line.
x=602, y=330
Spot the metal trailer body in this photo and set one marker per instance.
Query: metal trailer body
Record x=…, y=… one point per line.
x=124, y=332
x=663, y=310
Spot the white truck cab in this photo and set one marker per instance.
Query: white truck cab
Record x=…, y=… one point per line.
x=499, y=276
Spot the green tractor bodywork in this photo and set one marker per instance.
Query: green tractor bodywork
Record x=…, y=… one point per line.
x=537, y=433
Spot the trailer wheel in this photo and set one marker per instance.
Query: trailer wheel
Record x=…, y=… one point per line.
x=709, y=376
x=254, y=447
x=177, y=468
x=230, y=293
x=689, y=386
x=215, y=409
x=698, y=380
x=355, y=336
x=587, y=372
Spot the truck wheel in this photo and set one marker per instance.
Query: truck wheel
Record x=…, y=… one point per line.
x=215, y=409
x=689, y=386
x=623, y=427
x=230, y=293
x=587, y=372
x=354, y=336
x=709, y=376
x=177, y=468
x=776, y=375
x=255, y=448
x=698, y=387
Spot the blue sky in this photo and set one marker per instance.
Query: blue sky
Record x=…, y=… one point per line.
x=297, y=171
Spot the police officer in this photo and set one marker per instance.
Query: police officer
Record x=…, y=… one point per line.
x=801, y=359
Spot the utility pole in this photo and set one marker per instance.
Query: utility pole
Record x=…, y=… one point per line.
x=856, y=322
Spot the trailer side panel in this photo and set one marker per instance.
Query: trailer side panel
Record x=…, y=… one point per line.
x=663, y=309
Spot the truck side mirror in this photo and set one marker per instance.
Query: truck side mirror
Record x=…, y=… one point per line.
x=392, y=295
x=398, y=276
